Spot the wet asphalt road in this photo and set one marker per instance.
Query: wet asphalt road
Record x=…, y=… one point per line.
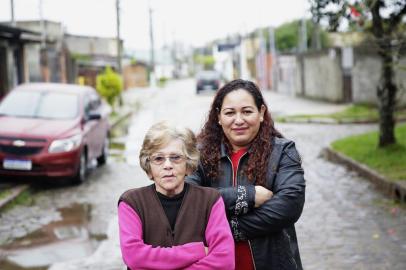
x=345, y=224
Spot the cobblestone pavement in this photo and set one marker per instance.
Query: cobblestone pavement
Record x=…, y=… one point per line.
x=345, y=224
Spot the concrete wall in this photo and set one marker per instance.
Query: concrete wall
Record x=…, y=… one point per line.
x=91, y=45
x=289, y=75
x=34, y=68
x=135, y=76
x=54, y=30
x=366, y=74
x=323, y=76
x=321, y=71
x=224, y=63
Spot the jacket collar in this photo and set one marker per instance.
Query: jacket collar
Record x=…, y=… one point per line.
x=223, y=150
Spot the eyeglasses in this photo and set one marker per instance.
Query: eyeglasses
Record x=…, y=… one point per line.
x=160, y=159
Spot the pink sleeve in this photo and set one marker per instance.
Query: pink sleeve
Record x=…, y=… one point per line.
x=138, y=255
x=219, y=240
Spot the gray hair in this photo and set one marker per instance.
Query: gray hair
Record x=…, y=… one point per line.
x=159, y=135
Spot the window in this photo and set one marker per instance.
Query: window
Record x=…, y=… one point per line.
x=40, y=105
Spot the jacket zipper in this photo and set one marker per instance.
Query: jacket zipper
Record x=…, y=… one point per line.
x=232, y=169
x=234, y=184
x=252, y=256
x=238, y=165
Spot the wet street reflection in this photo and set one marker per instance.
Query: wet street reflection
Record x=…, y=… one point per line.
x=59, y=241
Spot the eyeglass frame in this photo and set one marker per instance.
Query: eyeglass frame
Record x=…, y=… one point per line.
x=167, y=157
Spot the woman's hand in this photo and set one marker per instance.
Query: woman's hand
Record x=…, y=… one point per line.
x=262, y=195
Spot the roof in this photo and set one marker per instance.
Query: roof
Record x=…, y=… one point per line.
x=20, y=34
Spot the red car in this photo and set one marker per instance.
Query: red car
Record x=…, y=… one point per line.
x=52, y=130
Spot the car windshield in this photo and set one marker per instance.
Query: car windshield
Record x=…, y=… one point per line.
x=40, y=105
x=208, y=75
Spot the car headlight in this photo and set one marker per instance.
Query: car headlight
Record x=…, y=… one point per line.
x=65, y=145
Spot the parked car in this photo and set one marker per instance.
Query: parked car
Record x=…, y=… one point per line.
x=52, y=130
x=207, y=79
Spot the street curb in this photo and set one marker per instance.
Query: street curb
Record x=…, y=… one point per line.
x=332, y=121
x=14, y=193
x=394, y=189
x=121, y=119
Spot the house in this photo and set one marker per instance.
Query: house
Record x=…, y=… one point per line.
x=69, y=58
x=135, y=75
x=14, y=68
x=91, y=54
x=52, y=51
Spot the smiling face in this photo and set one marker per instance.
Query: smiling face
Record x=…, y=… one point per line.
x=169, y=177
x=240, y=118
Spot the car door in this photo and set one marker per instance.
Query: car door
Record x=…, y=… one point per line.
x=100, y=127
x=89, y=128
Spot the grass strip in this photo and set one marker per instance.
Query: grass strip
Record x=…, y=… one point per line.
x=389, y=161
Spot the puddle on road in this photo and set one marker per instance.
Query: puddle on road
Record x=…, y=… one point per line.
x=58, y=241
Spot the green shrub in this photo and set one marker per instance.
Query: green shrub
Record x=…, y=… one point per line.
x=109, y=85
x=162, y=81
x=207, y=61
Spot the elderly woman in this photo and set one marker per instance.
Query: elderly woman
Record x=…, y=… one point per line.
x=171, y=224
x=258, y=173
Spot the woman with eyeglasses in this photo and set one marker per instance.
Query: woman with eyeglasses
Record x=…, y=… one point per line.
x=171, y=224
x=259, y=176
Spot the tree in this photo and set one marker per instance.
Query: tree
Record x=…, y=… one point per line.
x=287, y=36
x=317, y=8
x=207, y=61
x=385, y=24
x=109, y=85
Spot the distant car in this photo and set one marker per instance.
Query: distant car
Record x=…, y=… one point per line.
x=207, y=79
x=52, y=130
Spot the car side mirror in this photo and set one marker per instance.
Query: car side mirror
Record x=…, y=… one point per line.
x=93, y=116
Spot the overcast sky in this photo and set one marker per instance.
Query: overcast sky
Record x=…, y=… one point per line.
x=193, y=22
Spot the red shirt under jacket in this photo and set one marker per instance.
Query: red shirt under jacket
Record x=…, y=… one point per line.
x=243, y=257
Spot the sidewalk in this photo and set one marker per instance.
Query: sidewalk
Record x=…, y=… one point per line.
x=283, y=105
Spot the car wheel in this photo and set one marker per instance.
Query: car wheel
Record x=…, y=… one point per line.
x=81, y=173
x=102, y=159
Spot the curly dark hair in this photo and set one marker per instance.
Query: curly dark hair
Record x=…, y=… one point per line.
x=212, y=135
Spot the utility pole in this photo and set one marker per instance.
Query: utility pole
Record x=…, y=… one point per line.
x=119, y=52
x=274, y=62
x=42, y=25
x=261, y=65
x=152, y=55
x=13, y=21
x=303, y=36
x=302, y=50
x=44, y=54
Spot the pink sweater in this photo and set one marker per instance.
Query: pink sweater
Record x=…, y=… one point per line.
x=138, y=255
